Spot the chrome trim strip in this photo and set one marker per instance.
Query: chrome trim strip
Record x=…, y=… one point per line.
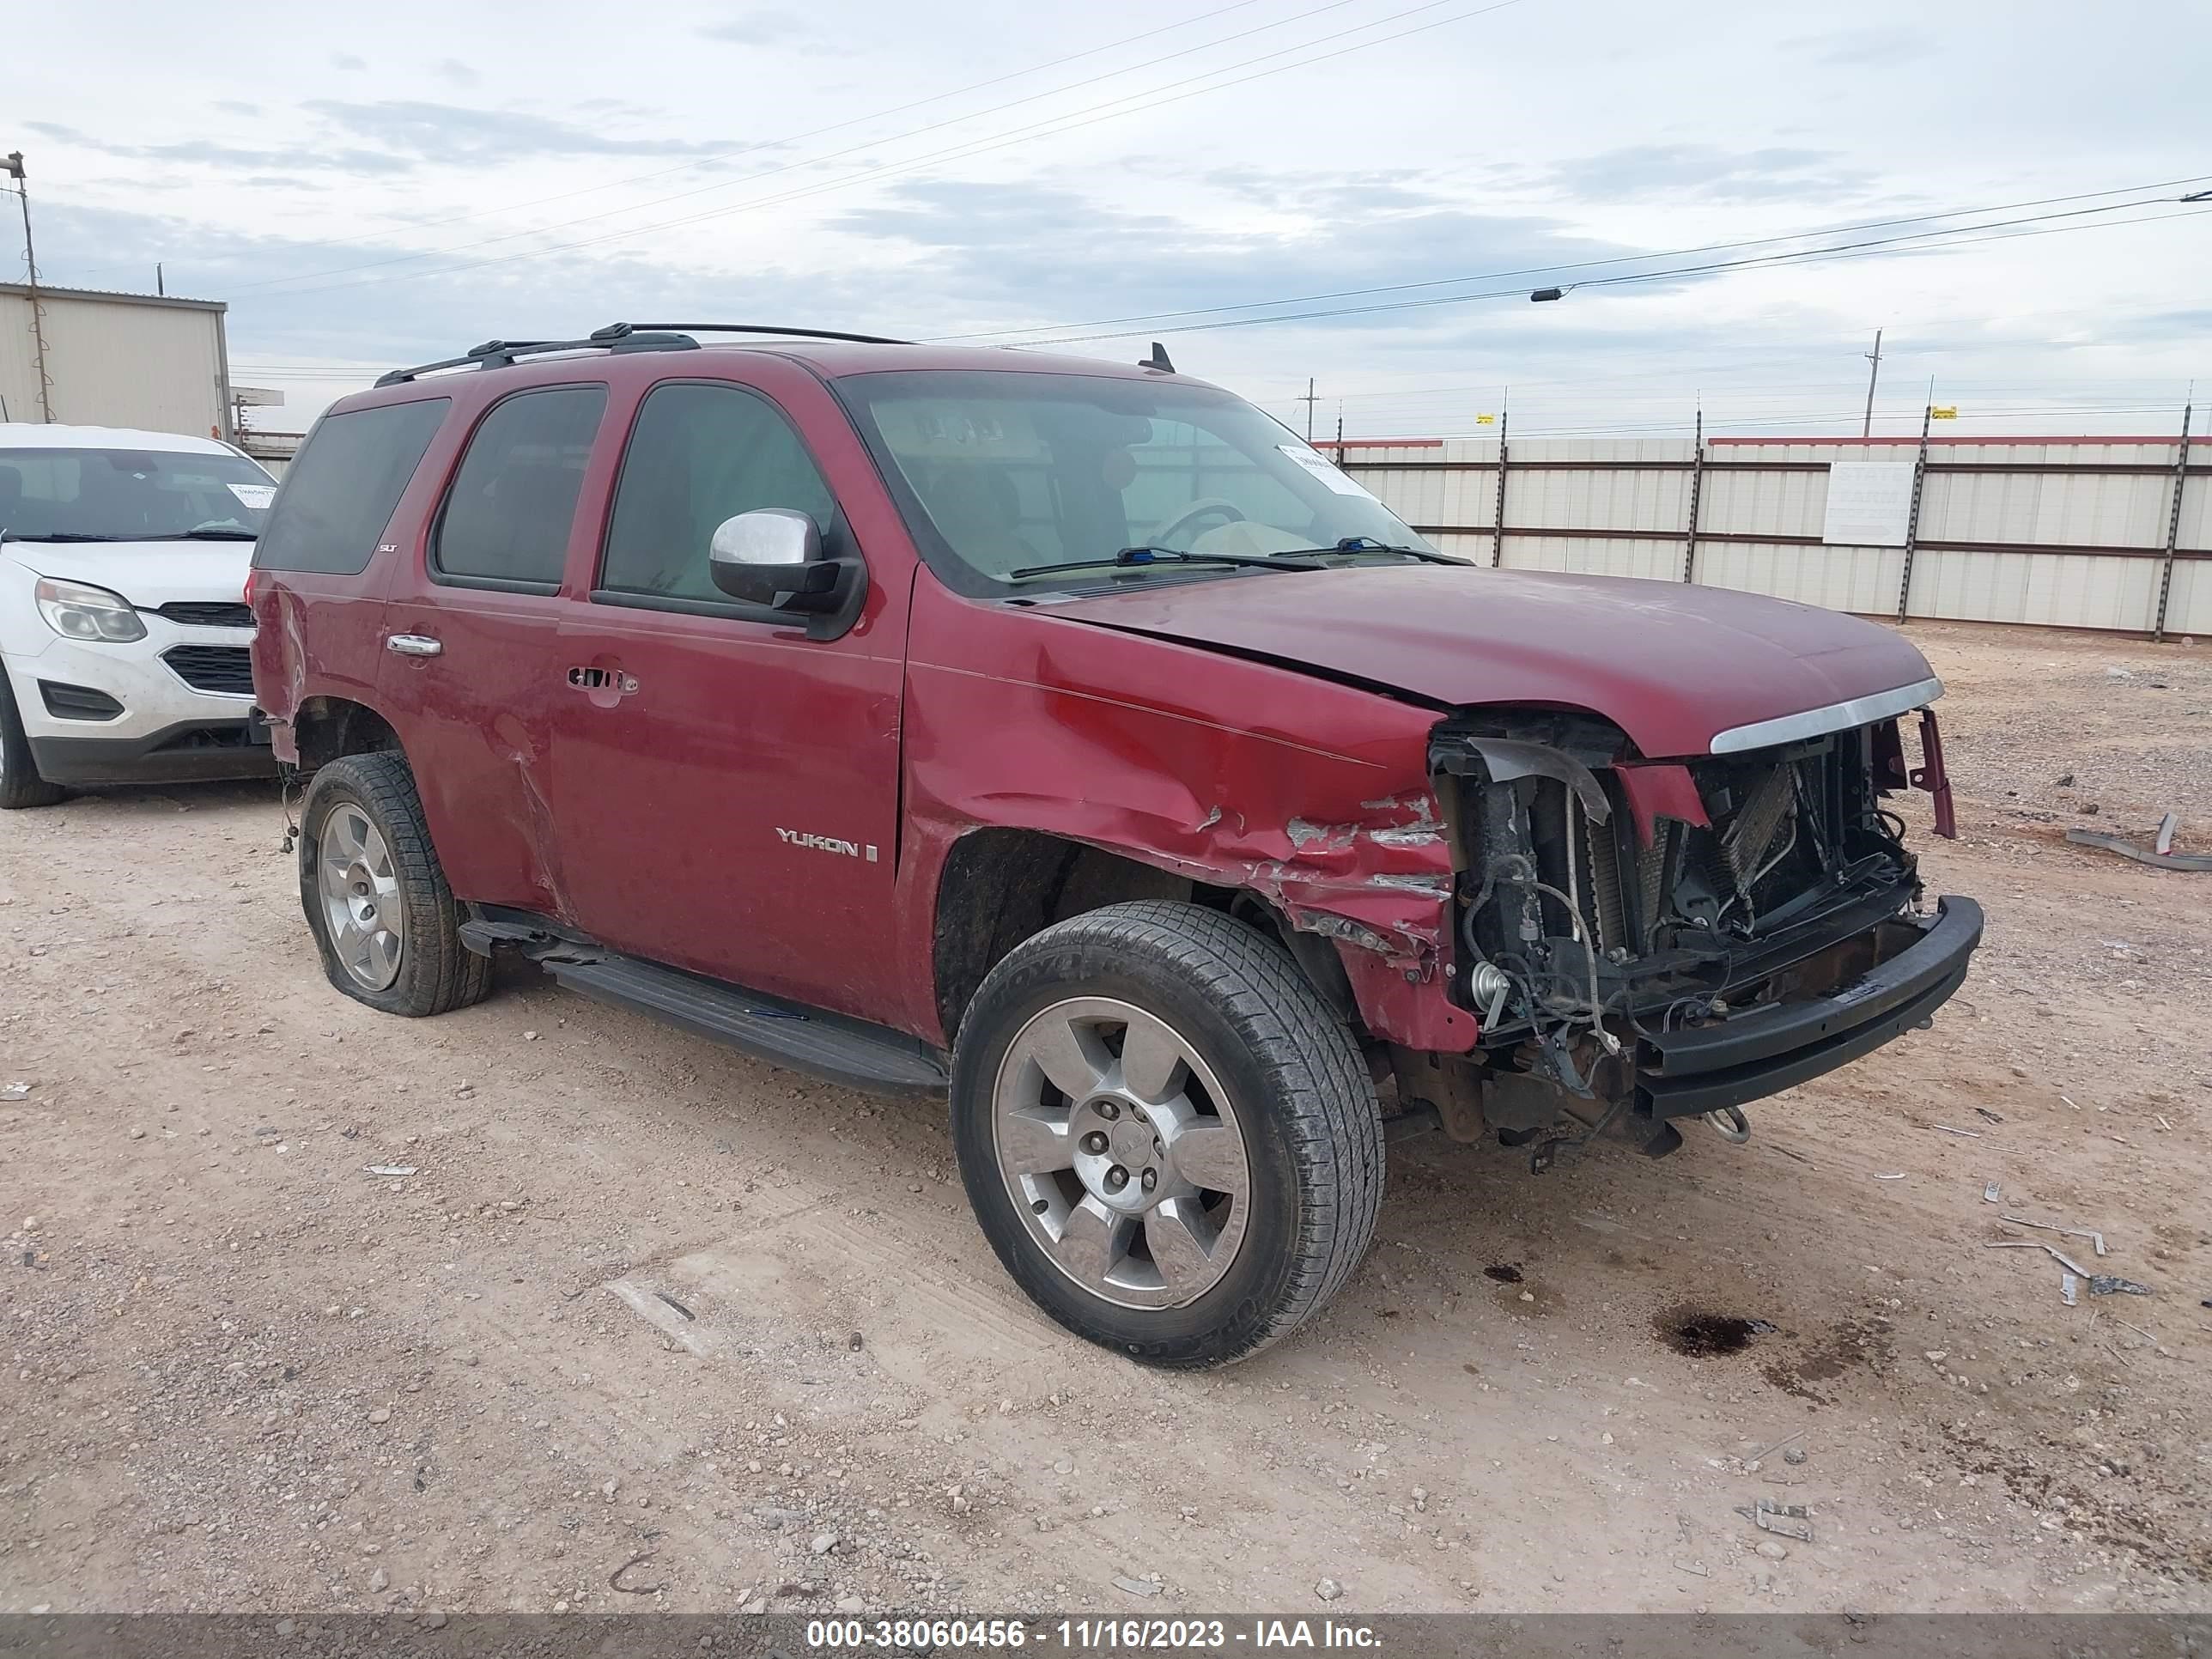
x=1835, y=717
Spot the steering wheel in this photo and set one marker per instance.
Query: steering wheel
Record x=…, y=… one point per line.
x=1209, y=507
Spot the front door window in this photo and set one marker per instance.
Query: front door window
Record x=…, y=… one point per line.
x=701, y=454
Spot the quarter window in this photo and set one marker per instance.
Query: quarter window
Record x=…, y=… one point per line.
x=701, y=454
x=340, y=490
x=507, y=516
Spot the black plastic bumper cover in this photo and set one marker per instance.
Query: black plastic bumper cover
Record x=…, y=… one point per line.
x=190, y=752
x=1768, y=1050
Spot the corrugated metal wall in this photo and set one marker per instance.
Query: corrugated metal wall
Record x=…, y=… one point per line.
x=118, y=361
x=2063, y=532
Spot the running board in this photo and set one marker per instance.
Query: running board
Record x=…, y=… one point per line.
x=782, y=1033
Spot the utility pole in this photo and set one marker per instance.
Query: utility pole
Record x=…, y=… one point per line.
x=161, y=286
x=1873, y=375
x=1308, y=400
x=13, y=166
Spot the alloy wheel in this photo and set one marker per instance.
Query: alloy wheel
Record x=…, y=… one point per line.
x=360, y=898
x=1122, y=1152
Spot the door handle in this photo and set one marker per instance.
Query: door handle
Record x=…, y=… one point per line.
x=602, y=679
x=412, y=644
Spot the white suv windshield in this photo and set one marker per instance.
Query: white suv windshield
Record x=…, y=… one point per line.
x=1016, y=470
x=129, y=495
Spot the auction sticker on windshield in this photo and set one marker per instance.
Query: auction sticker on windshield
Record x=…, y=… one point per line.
x=1326, y=470
x=253, y=495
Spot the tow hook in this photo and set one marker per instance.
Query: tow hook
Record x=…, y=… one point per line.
x=1731, y=1123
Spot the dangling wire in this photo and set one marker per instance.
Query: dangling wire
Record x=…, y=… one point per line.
x=289, y=781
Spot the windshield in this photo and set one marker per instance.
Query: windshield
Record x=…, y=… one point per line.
x=1014, y=470
x=129, y=495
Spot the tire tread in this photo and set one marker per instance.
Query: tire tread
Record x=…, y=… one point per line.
x=1321, y=1091
x=441, y=974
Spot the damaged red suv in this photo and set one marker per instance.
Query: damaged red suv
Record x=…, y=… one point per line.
x=1072, y=738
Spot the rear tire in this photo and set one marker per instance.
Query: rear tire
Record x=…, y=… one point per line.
x=21, y=786
x=385, y=921
x=1221, y=1142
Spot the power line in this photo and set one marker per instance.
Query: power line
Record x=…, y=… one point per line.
x=876, y=115
x=1053, y=125
x=1586, y=265
x=1683, y=360
x=1847, y=250
x=693, y=165
x=853, y=149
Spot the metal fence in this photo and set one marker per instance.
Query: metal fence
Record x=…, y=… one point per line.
x=2111, y=533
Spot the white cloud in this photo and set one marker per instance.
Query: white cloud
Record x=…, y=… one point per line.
x=350, y=208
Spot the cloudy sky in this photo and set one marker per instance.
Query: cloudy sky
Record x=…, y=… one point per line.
x=369, y=186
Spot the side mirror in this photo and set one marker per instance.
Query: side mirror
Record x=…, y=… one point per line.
x=773, y=557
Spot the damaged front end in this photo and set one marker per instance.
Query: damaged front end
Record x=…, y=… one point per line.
x=1645, y=941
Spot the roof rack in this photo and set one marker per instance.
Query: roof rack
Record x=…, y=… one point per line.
x=627, y=330
x=617, y=336
x=504, y=354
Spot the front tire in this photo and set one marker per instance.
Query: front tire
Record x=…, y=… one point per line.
x=1170, y=1142
x=386, y=923
x=21, y=786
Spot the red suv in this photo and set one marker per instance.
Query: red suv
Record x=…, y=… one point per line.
x=1073, y=738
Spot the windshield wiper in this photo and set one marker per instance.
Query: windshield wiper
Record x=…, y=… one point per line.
x=60, y=536
x=1369, y=544
x=1136, y=556
x=210, y=535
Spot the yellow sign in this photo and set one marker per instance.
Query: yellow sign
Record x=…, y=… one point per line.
x=1944, y=411
x=1486, y=420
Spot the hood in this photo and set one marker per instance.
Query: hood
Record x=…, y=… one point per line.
x=1672, y=664
x=149, y=574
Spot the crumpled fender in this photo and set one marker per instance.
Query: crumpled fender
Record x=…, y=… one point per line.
x=1312, y=794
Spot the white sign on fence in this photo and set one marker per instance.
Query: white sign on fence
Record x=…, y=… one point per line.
x=1870, y=503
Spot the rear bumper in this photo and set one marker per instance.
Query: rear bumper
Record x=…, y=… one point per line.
x=1764, y=1051
x=190, y=752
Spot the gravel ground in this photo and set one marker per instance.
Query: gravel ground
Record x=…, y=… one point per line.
x=644, y=1323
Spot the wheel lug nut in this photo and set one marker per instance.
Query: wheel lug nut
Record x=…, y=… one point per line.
x=1116, y=1178
x=1109, y=1111
x=1094, y=1143
x=1158, y=1151
x=1138, y=1112
x=1152, y=1179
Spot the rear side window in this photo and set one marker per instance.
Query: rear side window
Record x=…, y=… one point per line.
x=339, y=493
x=701, y=454
x=507, y=518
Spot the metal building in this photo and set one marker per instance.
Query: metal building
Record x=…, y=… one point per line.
x=128, y=360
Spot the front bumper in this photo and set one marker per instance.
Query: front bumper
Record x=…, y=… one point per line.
x=1763, y=1051
x=196, y=752
x=168, y=731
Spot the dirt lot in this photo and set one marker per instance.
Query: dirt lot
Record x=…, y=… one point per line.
x=243, y=1373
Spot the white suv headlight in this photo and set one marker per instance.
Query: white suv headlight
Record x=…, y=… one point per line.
x=77, y=611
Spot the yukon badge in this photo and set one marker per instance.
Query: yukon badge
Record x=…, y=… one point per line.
x=825, y=843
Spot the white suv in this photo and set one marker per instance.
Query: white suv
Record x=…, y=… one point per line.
x=123, y=625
